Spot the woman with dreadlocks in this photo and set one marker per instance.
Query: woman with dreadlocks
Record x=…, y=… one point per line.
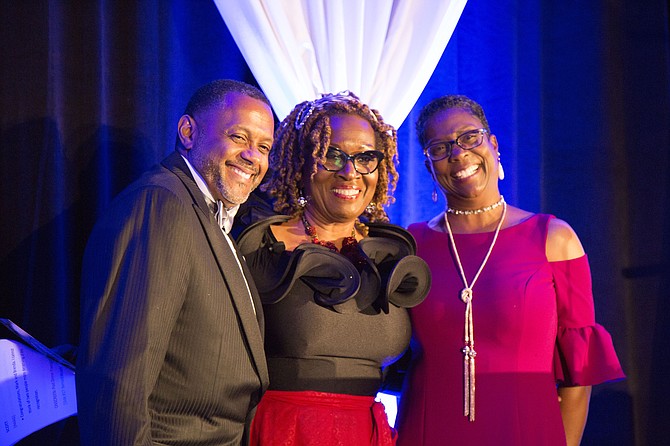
x=335, y=277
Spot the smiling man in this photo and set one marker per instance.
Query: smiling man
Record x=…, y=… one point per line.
x=171, y=347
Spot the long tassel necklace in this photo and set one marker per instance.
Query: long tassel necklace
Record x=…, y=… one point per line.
x=468, y=350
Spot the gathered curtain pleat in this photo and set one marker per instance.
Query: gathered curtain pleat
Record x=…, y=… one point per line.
x=384, y=51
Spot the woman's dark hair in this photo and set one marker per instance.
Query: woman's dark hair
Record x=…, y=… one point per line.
x=445, y=103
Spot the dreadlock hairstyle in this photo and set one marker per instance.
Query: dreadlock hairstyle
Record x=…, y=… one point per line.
x=304, y=135
x=446, y=103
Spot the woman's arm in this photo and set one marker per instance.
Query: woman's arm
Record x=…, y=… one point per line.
x=574, y=403
x=563, y=244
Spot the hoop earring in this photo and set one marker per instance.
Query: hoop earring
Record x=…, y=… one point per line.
x=302, y=201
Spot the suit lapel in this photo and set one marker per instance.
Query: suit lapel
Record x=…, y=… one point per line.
x=254, y=291
x=237, y=289
x=230, y=271
x=176, y=164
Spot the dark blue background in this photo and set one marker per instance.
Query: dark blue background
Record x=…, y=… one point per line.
x=577, y=92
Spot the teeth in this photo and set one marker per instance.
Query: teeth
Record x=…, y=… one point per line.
x=242, y=173
x=348, y=192
x=466, y=172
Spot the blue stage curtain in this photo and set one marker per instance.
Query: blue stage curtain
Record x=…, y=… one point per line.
x=578, y=94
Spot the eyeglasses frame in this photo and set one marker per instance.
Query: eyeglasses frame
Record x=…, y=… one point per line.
x=451, y=143
x=376, y=153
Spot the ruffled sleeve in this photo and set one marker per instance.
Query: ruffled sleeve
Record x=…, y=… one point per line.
x=405, y=277
x=584, y=353
x=391, y=273
x=333, y=279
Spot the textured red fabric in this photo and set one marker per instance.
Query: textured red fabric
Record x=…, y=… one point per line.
x=320, y=419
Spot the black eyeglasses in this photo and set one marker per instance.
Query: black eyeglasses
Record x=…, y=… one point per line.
x=364, y=162
x=467, y=141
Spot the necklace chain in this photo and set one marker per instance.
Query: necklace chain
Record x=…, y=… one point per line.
x=476, y=211
x=349, y=244
x=466, y=296
x=311, y=232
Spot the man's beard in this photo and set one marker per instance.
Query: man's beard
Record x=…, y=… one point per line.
x=234, y=193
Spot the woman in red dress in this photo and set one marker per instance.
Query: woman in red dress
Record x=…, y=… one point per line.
x=505, y=346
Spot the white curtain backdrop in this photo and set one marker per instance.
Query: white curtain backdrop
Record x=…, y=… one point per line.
x=384, y=51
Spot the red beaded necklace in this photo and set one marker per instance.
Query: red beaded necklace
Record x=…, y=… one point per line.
x=349, y=244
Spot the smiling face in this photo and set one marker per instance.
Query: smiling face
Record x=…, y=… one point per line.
x=340, y=197
x=469, y=178
x=229, y=145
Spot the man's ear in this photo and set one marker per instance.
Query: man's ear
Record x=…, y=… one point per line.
x=185, y=131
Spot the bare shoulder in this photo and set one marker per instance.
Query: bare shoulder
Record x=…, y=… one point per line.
x=562, y=242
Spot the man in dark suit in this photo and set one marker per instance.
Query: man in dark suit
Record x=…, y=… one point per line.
x=171, y=349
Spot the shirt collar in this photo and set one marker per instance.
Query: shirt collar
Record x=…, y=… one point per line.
x=227, y=214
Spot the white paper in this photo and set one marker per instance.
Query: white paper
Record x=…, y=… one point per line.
x=35, y=391
x=34, y=343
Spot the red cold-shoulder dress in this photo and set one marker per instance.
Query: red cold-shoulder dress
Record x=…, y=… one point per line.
x=534, y=327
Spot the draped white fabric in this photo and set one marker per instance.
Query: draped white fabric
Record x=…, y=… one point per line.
x=384, y=51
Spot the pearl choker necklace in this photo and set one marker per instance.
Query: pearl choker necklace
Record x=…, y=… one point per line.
x=476, y=211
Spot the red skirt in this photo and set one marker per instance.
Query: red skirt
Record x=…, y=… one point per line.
x=310, y=418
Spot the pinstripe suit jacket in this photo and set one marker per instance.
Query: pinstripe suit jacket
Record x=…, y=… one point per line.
x=171, y=351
